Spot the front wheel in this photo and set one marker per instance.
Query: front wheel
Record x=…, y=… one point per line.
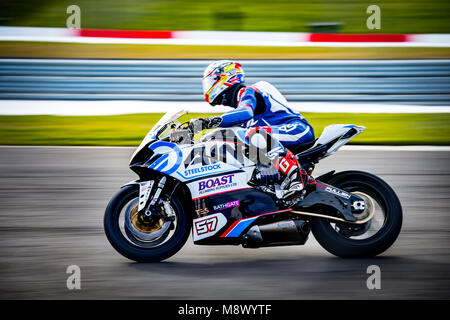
x=143, y=241
x=365, y=240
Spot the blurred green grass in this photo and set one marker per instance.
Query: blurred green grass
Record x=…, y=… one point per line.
x=397, y=16
x=128, y=130
x=139, y=51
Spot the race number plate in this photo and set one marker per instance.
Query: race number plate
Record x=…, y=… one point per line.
x=205, y=227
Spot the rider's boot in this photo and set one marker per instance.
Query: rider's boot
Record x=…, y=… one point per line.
x=295, y=177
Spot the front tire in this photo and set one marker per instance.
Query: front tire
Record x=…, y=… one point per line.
x=346, y=247
x=130, y=250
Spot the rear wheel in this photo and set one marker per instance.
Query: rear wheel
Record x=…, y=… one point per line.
x=368, y=239
x=141, y=240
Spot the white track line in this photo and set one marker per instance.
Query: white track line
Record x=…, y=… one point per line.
x=203, y=62
x=117, y=107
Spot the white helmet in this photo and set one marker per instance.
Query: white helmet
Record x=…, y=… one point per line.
x=219, y=76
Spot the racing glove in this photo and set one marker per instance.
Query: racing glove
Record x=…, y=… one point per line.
x=200, y=124
x=212, y=122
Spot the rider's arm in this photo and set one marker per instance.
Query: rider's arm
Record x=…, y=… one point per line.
x=244, y=112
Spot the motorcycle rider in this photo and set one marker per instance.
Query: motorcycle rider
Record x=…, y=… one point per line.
x=258, y=107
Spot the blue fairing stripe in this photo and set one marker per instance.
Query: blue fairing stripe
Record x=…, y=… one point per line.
x=239, y=226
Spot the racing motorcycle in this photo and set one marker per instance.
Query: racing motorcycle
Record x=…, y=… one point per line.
x=216, y=187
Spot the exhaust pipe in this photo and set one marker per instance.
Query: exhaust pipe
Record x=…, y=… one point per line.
x=281, y=233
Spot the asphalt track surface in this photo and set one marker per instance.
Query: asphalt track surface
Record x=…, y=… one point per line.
x=52, y=202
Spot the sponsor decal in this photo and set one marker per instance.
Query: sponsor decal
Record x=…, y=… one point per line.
x=144, y=192
x=204, y=169
x=170, y=158
x=275, y=152
x=288, y=127
x=216, y=184
x=337, y=192
x=227, y=205
x=285, y=164
x=251, y=123
x=202, y=212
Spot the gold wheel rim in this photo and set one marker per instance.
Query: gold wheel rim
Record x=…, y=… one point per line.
x=146, y=227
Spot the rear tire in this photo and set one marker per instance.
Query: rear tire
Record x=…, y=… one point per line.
x=345, y=247
x=130, y=250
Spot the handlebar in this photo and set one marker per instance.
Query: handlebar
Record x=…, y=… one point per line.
x=184, y=133
x=186, y=125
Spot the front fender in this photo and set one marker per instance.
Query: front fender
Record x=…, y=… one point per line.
x=136, y=182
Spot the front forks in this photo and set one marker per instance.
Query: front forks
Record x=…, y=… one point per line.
x=149, y=207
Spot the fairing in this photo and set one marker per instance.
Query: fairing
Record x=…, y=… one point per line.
x=216, y=171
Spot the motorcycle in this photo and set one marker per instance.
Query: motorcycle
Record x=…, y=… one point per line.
x=219, y=187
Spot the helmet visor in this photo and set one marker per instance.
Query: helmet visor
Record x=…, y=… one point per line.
x=209, y=81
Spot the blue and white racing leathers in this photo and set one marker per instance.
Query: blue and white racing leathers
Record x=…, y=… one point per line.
x=262, y=105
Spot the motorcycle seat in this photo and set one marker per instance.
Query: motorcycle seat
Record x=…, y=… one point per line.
x=302, y=147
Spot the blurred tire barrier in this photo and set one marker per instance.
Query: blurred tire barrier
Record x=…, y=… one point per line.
x=424, y=82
